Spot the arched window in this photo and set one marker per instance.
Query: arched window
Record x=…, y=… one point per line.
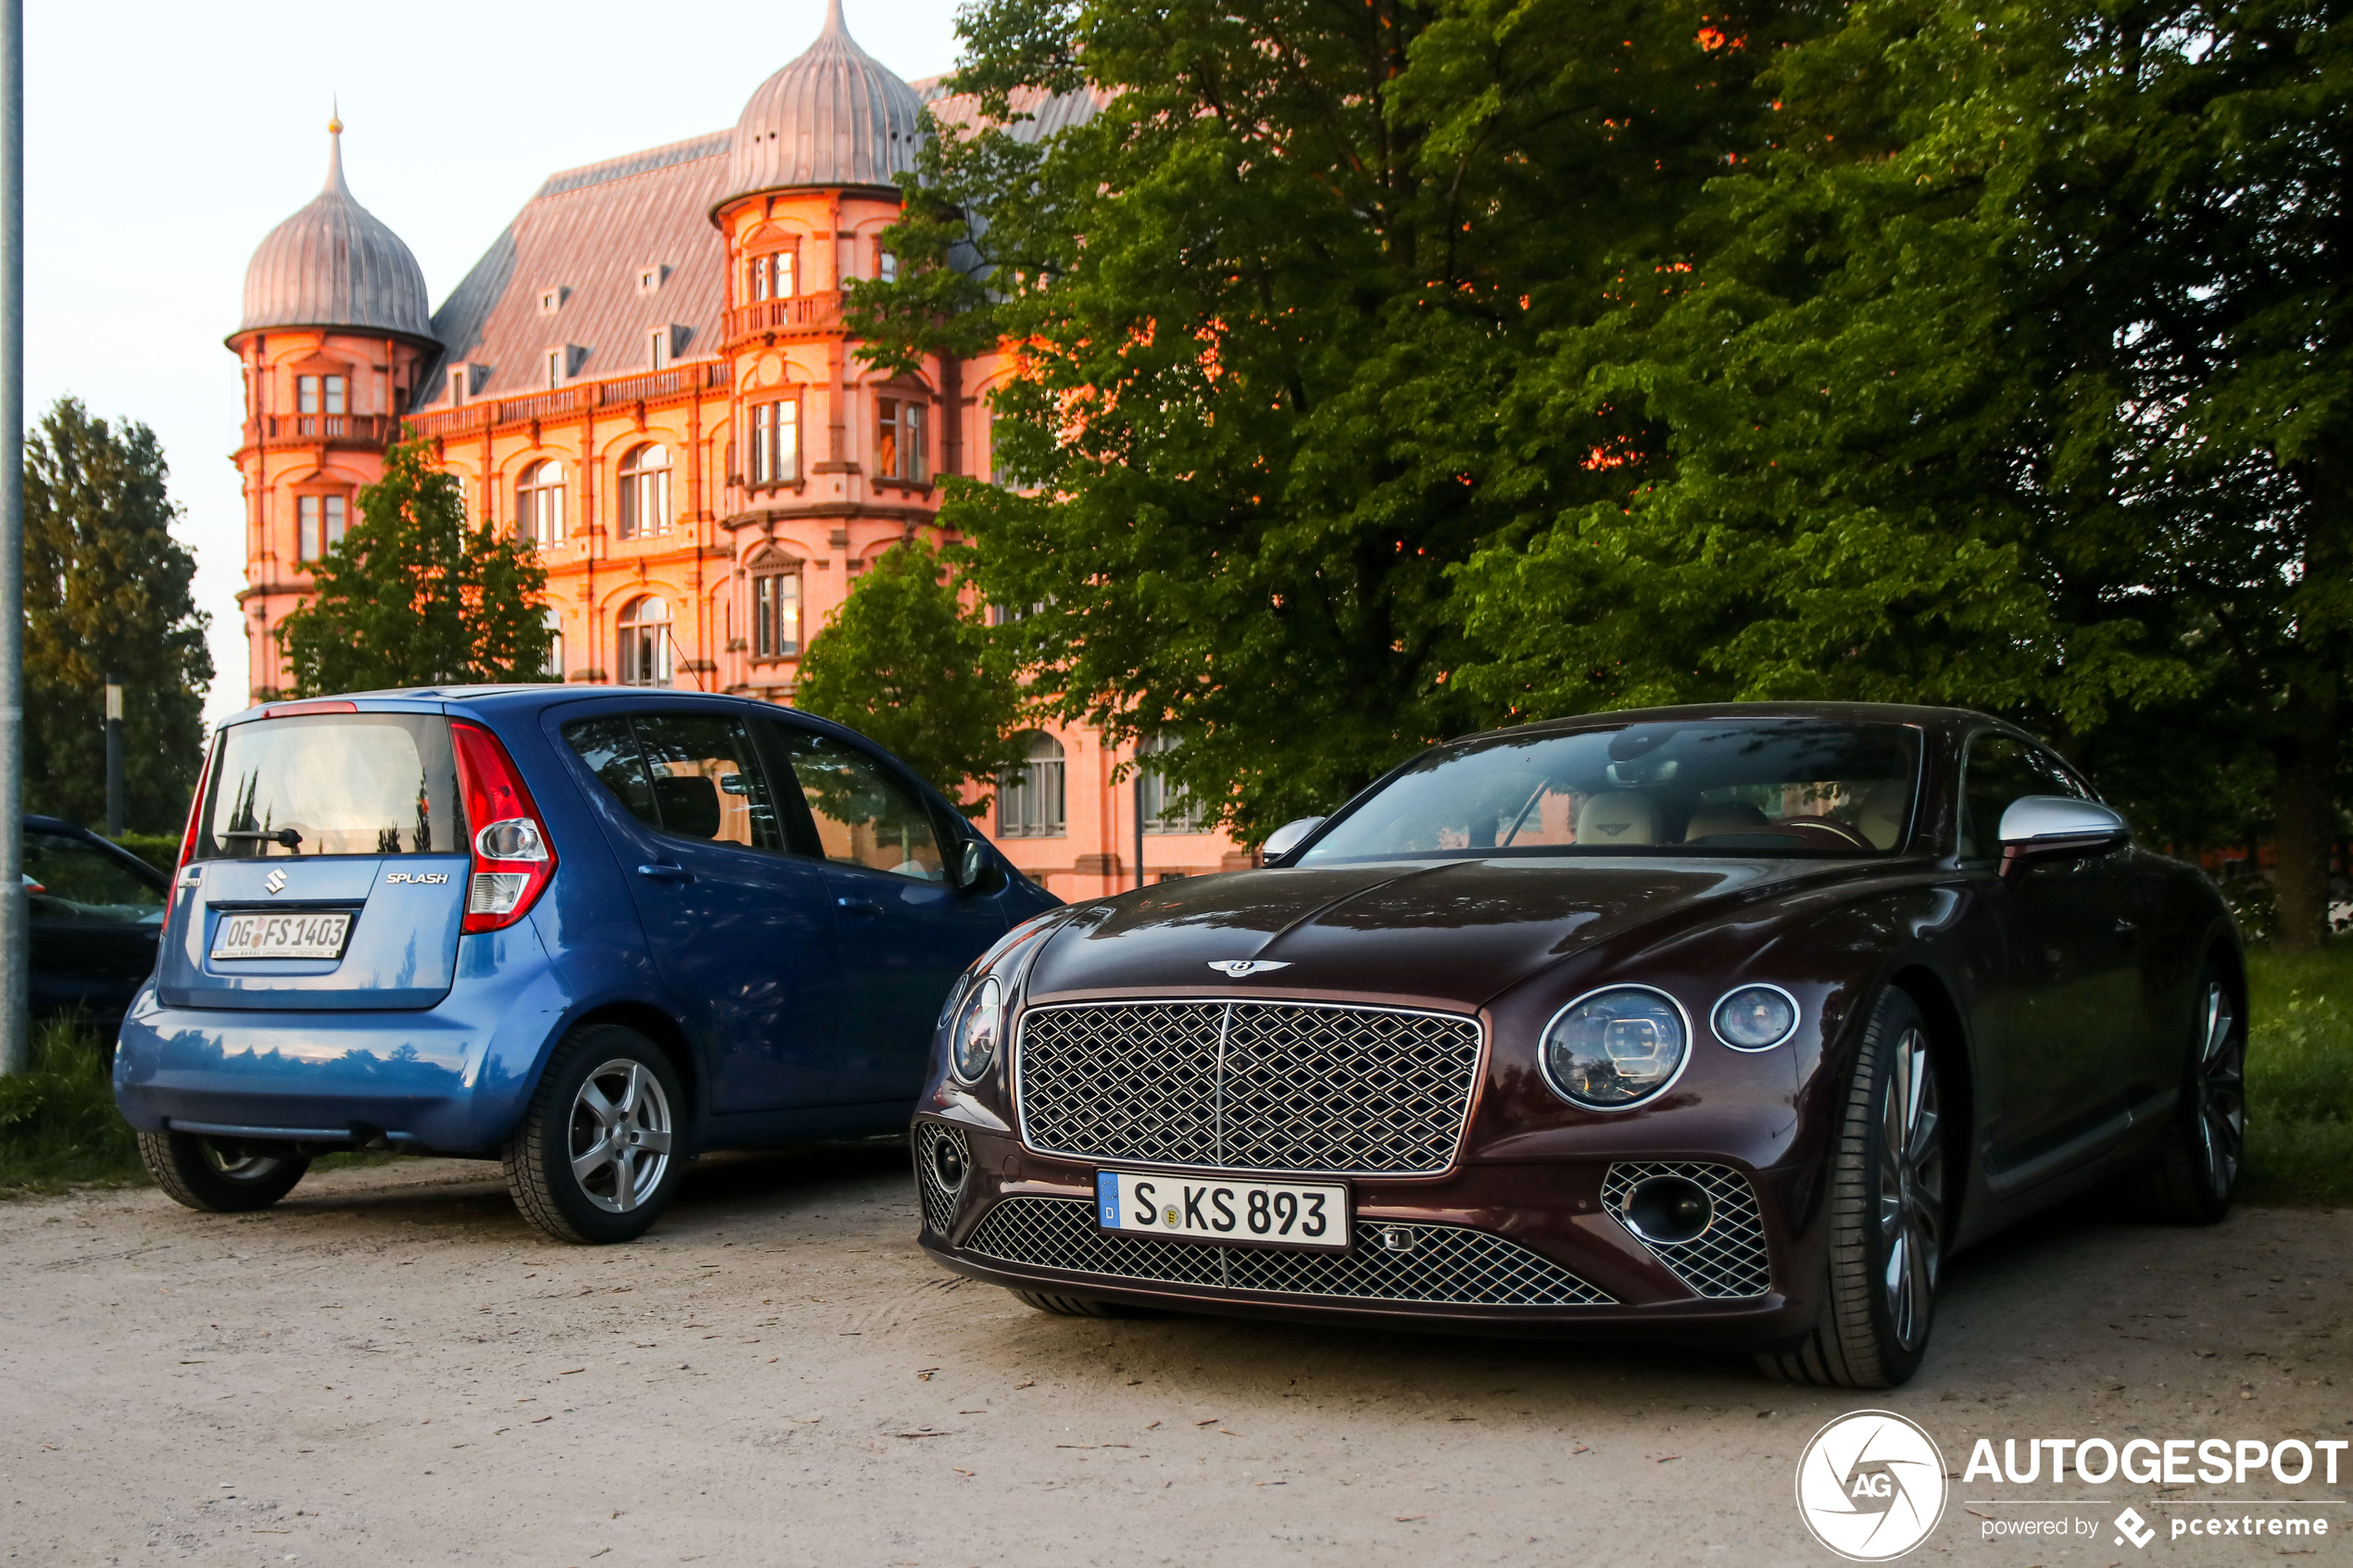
x=644, y=491
x=554, y=622
x=539, y=503
x=1029, y=798
x=644, y=642
x=1166, y=807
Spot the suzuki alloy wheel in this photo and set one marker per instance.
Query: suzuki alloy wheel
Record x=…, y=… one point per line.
x=595, y=1159
x=2195, y=1174
x=1887, y=1213
x=220, y=1176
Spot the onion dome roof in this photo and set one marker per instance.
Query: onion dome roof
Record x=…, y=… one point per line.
x=335, y=264
x=837, y=116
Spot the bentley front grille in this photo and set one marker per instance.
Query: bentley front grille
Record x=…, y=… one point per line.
x=1725, y=1262
x=938, y=1197
x=1288, y=1086
x=1443, y=1265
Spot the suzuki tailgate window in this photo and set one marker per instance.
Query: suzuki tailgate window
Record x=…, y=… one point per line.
x=334, y=784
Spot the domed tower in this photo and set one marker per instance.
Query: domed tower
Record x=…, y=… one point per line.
x=831, y=462
x=336, y=331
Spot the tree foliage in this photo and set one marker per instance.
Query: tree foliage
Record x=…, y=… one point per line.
x=413, y=596
x=907, y=663
x=107, y=590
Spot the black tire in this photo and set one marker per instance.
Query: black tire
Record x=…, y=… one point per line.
x=1887, y=1207
x=220, y=1177
x=2193, y=1174
x=1076, y=1306
x=634, y=1140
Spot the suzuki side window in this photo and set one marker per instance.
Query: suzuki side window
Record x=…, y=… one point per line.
x=687, y=774
x=864, y=816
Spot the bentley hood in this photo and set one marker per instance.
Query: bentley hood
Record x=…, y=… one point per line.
x=1458, y=930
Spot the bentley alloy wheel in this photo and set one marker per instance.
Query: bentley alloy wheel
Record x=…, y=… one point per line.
x=1911, y=1192
x=2193, y=1174
x=2220, y=1086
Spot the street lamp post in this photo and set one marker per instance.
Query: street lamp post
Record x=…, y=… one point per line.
x=114, y=757
x=16, y=1025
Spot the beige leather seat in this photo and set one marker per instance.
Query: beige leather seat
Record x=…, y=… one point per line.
x=1882, y=816
x=1620, y=817
x=1731, y=816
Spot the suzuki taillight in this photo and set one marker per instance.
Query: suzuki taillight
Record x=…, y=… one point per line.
x=512, y=859
x=195, y=811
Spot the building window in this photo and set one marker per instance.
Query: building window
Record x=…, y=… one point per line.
x=1029, y=798
x=555, y=369
x=775, y=615
x=319, y=523
x=649, y=278
x=776, y=275
x=1165, y=807
x=658, y=348
x=539, y=503
x=898, y=439
x=554, y=667
x=776, y=442
x=459, y=377
x=643, y=643
x=550, y=299
x=321, y=394
x=644, y=491
x=886, y=267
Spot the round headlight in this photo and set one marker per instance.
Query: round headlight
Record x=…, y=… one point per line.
x=977, y=1032
x=1615, y=1047
x=1756, y=1018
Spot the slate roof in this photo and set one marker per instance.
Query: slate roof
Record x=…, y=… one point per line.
x=335, y=264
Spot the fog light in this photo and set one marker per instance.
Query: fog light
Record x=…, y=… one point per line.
x=948, y=1163
x=1669, y=1210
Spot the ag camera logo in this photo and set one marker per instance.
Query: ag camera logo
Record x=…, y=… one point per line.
x=1871, y=1486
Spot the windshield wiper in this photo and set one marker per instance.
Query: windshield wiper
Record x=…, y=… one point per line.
x=287, y=836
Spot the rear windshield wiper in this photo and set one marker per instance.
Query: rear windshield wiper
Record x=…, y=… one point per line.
x=287, y=836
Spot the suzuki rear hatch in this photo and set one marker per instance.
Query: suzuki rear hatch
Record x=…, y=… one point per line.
x=326, y=865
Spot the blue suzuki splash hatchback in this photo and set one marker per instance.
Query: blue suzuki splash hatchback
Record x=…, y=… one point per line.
x=584, y=932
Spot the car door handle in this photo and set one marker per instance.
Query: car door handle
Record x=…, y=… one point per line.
x=859, y=906
x=658, y=872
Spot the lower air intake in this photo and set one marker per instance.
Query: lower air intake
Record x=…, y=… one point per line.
x=1725, y=1262
x=1443, y=1265
x=938, y=1196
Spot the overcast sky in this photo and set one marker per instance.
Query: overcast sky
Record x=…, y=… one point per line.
x=163, y=140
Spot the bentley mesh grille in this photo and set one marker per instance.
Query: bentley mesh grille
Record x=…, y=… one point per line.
x=1725, y=1262
x=1248, y=1086
x=939, y=1203
x=1444, y=1265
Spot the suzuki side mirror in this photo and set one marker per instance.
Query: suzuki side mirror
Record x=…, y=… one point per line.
x=1289, y=836
x=2040, y=827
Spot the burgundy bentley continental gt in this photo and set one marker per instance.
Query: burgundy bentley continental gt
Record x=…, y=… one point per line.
x=1726, y=1025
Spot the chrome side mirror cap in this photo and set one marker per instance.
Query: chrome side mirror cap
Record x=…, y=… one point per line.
x=2040, y=826
x=1289, y=836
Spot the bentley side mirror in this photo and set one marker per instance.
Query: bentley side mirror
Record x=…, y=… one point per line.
x=972, y=861
x=2039, y=827
x=1289, y=836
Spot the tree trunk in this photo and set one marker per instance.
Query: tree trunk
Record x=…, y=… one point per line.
x=2304, y=824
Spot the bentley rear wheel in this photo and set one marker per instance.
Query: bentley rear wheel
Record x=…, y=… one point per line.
x=2194, y=1176
x=1887, y=1215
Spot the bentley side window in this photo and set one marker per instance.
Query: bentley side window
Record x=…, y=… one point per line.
x=1999, y=769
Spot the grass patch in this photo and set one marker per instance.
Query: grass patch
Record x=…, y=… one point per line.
x=2299, y=1076
x=58, y=1124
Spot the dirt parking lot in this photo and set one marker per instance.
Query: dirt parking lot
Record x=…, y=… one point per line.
x=390, y=1368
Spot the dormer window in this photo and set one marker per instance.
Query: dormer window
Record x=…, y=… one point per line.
x=556, y=358
x=658, y=348
x=551, y=301
x=461, y=384
x=775, y=275
x=321, y=394
x=649, y=278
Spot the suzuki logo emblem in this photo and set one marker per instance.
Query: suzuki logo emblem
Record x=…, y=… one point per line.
x=1242, y=968
x=275, y=881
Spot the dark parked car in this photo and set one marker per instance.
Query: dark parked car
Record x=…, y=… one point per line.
x=1722, y=1024
x=585, y=932
x=97, y=909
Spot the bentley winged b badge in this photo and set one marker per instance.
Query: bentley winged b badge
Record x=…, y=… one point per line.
x=1242, y=968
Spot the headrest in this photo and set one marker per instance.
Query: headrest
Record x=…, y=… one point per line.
x=1620, y=817
x=1731, y=816
x=1882, y=816
x=689, y=805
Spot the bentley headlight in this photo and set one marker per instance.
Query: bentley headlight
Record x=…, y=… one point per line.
x=1756, y=1018
x=1616, y=1047
x=978, y=1029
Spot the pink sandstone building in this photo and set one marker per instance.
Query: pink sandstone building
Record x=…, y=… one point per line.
x=645, y=375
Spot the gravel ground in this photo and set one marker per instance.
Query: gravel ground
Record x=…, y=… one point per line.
x=390, y=1368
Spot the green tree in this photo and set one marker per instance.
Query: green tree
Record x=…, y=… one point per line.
x=107, y=591
x=2012, y=373
x=907, y=663
x=1269, y=301
x=413, y=596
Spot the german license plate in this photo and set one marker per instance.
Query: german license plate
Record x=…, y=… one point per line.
x=1212, y=1209
x=295, y=935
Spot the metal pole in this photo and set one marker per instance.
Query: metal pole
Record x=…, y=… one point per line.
x=16, y=1026
x=1139, y=817
x=114, y=757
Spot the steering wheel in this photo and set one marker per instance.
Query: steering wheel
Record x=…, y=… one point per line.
x=1845, y=837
